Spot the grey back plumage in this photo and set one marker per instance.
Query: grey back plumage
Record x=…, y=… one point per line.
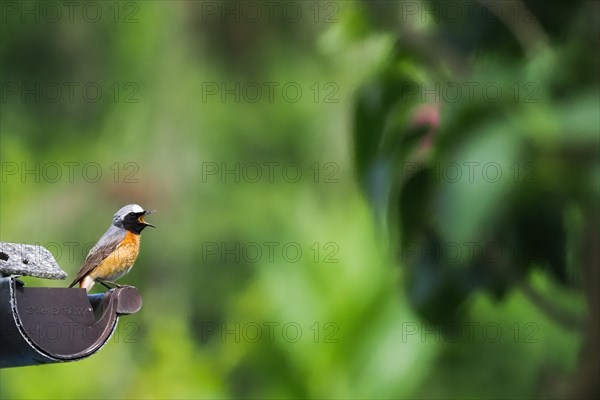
x=108, y=242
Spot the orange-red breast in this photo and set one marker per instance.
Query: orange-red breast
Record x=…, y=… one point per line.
x=116, y=251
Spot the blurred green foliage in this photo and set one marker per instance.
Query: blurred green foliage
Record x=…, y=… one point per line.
x=377, y=322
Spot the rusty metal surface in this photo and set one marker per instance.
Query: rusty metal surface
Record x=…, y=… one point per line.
x=47, y=325
x=28, y=260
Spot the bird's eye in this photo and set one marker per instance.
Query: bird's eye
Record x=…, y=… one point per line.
x=131, y=214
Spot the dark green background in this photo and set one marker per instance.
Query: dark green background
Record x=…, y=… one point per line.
x=372, y=321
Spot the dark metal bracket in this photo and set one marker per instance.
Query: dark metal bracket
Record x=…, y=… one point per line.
x=40, y=325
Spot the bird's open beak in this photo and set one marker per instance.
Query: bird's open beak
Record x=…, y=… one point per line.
x=141, y=218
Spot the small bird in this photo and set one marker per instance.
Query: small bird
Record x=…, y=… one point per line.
x=116, y=251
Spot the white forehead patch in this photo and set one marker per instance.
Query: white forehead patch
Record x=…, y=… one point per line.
x=119, y=215
x=136, y=209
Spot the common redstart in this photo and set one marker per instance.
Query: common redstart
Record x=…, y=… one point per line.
x=116, y=251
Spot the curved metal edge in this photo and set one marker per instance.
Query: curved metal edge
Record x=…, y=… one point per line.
x=110, y=314
x=93, y=349
x=33, y=354
x=129, y=300
x=19, y=325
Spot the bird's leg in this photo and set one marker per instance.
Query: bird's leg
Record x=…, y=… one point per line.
x=105, y=283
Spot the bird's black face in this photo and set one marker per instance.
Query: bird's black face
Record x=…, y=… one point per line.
x=134, y=221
